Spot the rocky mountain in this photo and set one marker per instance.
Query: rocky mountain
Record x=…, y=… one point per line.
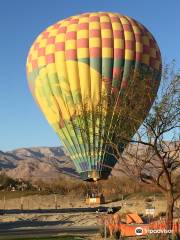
x=44, y=163
x=34, y=163
x=37, y=162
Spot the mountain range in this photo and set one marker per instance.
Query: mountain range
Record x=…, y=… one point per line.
x=37, y=162
x=45, y=163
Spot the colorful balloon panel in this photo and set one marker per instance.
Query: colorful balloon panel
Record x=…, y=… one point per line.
x=74, y=63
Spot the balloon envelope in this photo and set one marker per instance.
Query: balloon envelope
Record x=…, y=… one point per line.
x=76, y=65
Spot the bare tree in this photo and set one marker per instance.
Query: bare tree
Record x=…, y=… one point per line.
x=159, y=162
x=152, y=155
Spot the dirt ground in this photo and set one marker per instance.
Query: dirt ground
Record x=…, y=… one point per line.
x=53, y=219
x=52, y=201
x=41, y=202
x=132, y=205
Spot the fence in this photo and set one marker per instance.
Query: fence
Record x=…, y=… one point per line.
x=31, y=202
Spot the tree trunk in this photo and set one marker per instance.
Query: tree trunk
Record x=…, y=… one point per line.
x=169, y=210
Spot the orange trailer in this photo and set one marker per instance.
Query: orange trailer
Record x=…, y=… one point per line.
x=114, y=224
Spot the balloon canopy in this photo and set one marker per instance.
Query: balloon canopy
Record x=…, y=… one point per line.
x=95, y=77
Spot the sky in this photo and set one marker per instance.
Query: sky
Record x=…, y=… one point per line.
x=21, y=122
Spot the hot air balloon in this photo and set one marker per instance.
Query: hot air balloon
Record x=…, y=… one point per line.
x=77, y=65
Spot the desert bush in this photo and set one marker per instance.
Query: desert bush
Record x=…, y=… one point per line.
x=63, y=186
x=112, y=188
x=115, y=187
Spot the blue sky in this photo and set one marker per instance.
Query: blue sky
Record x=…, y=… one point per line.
x=21, y=122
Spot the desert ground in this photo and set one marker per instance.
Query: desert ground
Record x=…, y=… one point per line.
x=134, y=204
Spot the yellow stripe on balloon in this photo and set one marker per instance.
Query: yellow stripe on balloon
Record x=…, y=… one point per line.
x=70, y=44
x=139, y=47
x=60, y=37
x=145, y=59
x=50, y=111
x=116, y=26
x=42, y=43
x=95, y=86
x=83, y=53
x=41, y=61
x=95, y=42
x=128, y=35
x=51, y=68
x=106, y=33
x=84, y=78
x=73, y=75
